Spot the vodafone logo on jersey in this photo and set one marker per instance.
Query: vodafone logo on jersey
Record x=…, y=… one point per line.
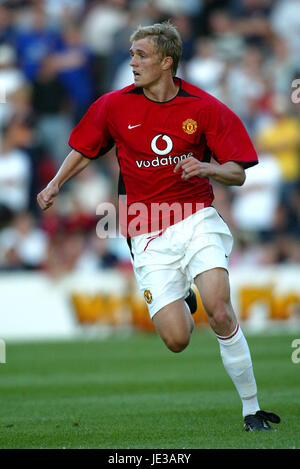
x=168, y=148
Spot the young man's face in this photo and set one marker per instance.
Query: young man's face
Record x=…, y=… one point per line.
x=146, y=65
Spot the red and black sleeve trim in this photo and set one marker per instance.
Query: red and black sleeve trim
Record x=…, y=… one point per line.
x=101, y=152
x=88, y=157
x=245, y=164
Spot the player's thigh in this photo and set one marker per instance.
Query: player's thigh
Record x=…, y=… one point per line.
x=164, y=290
x=174, y=323
x=161, y=286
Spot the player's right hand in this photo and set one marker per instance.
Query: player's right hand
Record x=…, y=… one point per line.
x=46, y=197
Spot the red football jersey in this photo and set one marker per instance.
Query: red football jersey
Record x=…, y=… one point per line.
x=151, y=138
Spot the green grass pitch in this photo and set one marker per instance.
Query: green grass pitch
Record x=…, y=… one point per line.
x=131, y=392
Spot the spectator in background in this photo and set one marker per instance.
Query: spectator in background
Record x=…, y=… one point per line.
x=147, y=12
x=251, y=18
x=229, y=42
x=279, y=68
x=201, y=15
x=246, y=85
x=74, y=65
x=295, y=209
x=97, y=255
x=101, y=23
x=35, y=41
x=6, y=25
x=79, y=204
x=170, y=7
x=24, y=137
x=63, y=11
x=77, y=252
x=254, y=207
x=23, y=245
x=122, y=76
x=281, y=137
x=206, y=69
x=12, y=83
x=119, y=71
x=183, y=25
x=52, y=109
x=285, y=22
x=89, y=188
x=64, y=253
x=15, y=170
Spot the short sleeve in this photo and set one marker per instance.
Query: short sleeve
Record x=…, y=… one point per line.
x=91, y=136
x=226, y=136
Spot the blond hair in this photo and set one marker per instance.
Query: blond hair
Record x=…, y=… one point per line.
x=166, y=40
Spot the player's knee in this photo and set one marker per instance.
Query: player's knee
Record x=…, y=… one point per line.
x=217, y=310
x=177, y=345
x=221, y=316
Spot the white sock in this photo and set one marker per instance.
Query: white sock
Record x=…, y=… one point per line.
x=238, y=364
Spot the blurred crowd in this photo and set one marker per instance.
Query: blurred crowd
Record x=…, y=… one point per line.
x=58, y=56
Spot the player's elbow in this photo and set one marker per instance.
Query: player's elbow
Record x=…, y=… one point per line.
x=240, y=176
x=236, y=175
x=241, y=179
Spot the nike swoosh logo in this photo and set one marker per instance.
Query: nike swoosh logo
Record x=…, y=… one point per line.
x=133, y=126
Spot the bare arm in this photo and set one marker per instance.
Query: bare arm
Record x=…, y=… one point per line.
x=229, y=174
x=72, y=165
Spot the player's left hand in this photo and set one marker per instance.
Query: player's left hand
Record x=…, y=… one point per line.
x=192, y=167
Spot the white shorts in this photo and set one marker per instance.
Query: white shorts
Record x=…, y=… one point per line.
x=166, y=263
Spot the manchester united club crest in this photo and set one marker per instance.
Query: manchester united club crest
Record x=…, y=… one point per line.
x=148, y=296
x=189, y=126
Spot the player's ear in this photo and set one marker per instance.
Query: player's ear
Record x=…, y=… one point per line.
x=167, y=63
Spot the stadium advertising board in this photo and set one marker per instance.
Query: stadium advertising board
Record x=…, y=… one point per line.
x=35, y=306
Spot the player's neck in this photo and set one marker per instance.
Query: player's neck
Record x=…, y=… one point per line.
x=164, y=90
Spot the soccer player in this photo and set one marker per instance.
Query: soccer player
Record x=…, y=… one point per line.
x=167, y=134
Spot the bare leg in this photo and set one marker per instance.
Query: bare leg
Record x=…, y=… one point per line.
x=174, y=324
x=213, y=286
x=214, y=289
